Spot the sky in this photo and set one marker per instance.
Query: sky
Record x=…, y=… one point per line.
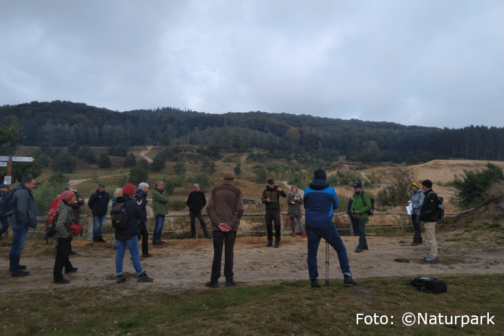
x=428, y=63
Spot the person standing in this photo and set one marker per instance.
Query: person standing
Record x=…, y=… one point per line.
x=416, y=200
x=294, y=201
x=428, y=216
x=65, y=217
x=320, y=201
x=5, y=195
x=361, y=204
x=225, y=208
x=196, y=202
x=98, y=202
x=79, y=201
x=141, y=195
x=24, y=217
x=271, y=198
x=160, y=206
x=129, y=236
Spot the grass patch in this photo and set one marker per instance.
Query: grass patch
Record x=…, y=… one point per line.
x=402, y=260
x=286, y=308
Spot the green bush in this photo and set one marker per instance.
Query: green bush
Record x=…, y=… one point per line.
x=395, y=194
x=129, y=161
x=473, y=185
x=261, y=174
x=45, y=193
x=104, y=161
x=177, y=205
x=170, y=185
x=137, y=175
x=202, y=179
x=64, y=162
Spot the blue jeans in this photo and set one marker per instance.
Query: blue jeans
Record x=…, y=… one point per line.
x=156, y=235
x=331, y=235
x=362, y=232
x=19, y=232
x=5, y=226
x=99, y=225
x=300, y=223
x=135, y=255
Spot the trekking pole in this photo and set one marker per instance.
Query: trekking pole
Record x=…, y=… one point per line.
x=327, y=264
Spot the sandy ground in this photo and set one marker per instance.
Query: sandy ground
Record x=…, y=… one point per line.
x=185, y=264
x=144, y=154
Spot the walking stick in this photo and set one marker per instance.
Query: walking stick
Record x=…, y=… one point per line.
x=327, y=264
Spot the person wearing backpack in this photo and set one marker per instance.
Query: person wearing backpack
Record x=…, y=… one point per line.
x=361, y=204
x=63, y=248
x=428, y=216
x=160, y=207
x=141, y=195
x=98, y=202
x=127, y=232
x=5, y=196
x=23, y=218
x=416, y=200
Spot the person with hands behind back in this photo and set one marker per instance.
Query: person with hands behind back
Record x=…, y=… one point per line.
x=225, y=208
x=270, y=197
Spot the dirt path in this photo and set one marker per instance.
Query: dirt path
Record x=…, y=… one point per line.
x=143, y=154
x=186, y=263
x=87, y=179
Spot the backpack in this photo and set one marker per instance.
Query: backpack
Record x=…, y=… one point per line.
x=428, y=285
x=119, y=216
x=370, y=212
x=51, y=218
x=439, y=213
x=7, y=205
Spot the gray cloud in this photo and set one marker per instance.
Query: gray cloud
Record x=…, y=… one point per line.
x=417, y=63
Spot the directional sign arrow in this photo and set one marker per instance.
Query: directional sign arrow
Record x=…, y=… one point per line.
x=3, y=164
x=22, y=159
x=4, y=158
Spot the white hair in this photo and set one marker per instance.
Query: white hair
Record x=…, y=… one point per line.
x=71, y=182
x=158, y=183
x=143, y=186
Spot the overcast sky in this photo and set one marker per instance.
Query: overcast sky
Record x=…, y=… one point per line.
x=430, y=63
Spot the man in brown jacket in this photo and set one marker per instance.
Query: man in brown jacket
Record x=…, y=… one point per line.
x=271, y=198
x=225, y=208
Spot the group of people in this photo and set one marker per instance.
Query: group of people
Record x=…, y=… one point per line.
x=224, y=208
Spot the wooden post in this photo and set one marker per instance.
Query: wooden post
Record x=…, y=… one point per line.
x=9, y=167
x=281, y=225
x=90, y=226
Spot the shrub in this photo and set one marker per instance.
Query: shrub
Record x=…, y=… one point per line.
x=177, y=205
x=261, y=174
x=397, y=193
x=137, y=175
x=64, y=163
x=45, y=193
x=104, y=161
x=179, y=168
x=202, y=179
x=129, y=161
x=43, y=160
x=237, y=169
x=144, y=164
x=473, y=185
x=158, y=162
x=73, y=149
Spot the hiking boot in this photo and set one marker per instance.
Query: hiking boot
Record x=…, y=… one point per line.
x=230, y=283
x=147, y=255
x=22, y=267
x=95, y=239
x=304, y=235
x=270, y=243
x=100, y=240
x=277, y=243
x=314, y=284
x=161, y=241
x=358, y=249
x=349, y=282
x=120, y=278
x=20, y=274
x=293, y=234
x=157, y=242
x=63, y=281
x=430, y=259
x=72, y=252
x=208, y=236
x=365, y=248
x=144, y=278
x=212, y=284
x=73, y=270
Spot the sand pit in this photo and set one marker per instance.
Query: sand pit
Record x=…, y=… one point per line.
x=185, y=263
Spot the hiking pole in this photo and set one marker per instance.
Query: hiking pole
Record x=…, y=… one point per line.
x=327, y=264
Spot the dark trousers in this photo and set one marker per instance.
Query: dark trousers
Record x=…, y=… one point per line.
x=273, y=216
x=417, y=238
x=145, y=238
x=355, y=225
x=62, y=252
x=192, y=217
x=362, y=232
x=5, y=225
x=219, y=239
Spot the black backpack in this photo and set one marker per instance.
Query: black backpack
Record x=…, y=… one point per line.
x=370, y=212
x=439, y=213
x=119, y=216
x=429, y=285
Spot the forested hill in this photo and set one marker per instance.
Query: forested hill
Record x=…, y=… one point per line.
x=61, y=123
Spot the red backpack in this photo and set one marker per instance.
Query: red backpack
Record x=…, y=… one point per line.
x=52, y=215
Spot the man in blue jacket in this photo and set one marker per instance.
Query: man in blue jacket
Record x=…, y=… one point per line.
x=24, y=217
x=320, y=201
x=98, y=202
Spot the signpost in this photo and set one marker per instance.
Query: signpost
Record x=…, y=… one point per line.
x=6, y=161
x=3, y=164
x=8, y=180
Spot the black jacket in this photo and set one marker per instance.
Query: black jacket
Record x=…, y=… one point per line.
x=142, y=195
x=135, y=216
x=98, y=202
x=429, y=206
x=349, y=208
x=196, y=201
x=274, y=196
x=25, y=211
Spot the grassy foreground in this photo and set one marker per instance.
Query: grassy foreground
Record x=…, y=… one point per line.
x=289, y=308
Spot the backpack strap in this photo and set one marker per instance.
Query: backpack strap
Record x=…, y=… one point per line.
x=363, y=200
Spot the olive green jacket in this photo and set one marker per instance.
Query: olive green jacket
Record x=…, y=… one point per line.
x=160, y=202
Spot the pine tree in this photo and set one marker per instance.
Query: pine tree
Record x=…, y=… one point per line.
x=104, y=161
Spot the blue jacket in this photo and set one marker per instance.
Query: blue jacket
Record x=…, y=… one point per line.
x=417, y=198
x=134, y=216
x=140, y=194
x=98, y=202
x=320, y=201
x=25, y=211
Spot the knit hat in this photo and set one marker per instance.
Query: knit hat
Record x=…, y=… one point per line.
x=271, y=181
x=416, y=184
x=357, y=185
x=427, y=183
x=320, y=174
x=67, y=195
x=128, y=189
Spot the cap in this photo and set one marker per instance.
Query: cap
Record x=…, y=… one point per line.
x=3, y=185
x=270, y=181
x=357, y=185
x=101, y=184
